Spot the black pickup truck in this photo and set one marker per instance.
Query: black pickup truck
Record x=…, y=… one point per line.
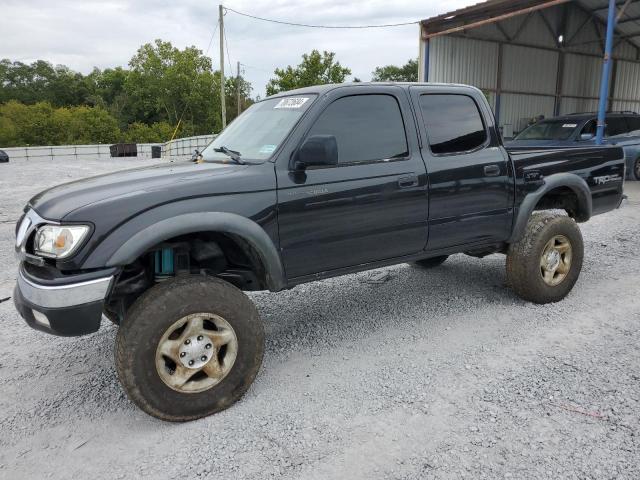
x=304, y=185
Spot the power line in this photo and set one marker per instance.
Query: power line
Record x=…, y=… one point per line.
x=226, y=44
x=256, y=68
x=193, y=84
x=211, y=39
x=320, y=26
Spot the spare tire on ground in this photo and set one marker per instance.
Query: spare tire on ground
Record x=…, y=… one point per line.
x=4, y=158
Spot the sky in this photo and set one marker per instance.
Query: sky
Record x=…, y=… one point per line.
x=83, y=34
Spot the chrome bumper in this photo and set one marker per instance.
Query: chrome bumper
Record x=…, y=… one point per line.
x=66, y=309
x=61, y=296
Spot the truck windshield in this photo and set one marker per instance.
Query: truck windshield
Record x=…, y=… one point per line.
x=258, y=132
x=549, y=130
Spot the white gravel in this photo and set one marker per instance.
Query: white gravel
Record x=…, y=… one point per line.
x=440, y=374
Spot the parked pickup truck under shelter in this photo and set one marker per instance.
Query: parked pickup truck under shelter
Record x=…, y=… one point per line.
x=304, y=185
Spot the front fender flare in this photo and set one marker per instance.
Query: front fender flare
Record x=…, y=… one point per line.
x=221, y=222
x=570, y=180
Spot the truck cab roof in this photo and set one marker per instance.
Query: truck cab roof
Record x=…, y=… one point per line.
x=322, y=89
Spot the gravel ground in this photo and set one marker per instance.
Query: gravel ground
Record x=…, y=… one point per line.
x=440, y=374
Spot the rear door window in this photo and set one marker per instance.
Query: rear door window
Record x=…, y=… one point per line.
x=453, y=123
x=616, y=126
x=634, y=123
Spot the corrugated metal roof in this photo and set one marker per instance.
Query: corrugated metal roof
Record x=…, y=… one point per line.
x=494, y=11
x=484, y=12
x=628, y=26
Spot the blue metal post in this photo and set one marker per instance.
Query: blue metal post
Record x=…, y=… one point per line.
x=426, y=60
x=606, y=71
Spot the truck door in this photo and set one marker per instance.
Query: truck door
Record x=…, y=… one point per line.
x=373, y=204
x=470, y=177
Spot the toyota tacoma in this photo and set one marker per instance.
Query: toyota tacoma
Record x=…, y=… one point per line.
x=304, y=185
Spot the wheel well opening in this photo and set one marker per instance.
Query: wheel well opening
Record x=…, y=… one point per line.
x=222, y=255
x=562, y=198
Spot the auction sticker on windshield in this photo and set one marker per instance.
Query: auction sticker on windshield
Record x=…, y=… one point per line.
x=291, y=102
x=569, y=125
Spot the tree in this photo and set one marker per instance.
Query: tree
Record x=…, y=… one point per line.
x=42, y=124
x=165, y=82
x=29, y=125
x=158, y=132
x=392, y=73
x=315, y=69
x=42, y=104
x=89, y=125
x=107, y=87
x=40, y=81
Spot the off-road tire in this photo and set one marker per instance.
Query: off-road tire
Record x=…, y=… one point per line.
x=524, y=257
x=431, y=262
x=148, y=319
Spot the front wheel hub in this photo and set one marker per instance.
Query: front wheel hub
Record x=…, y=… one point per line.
x=196, y=353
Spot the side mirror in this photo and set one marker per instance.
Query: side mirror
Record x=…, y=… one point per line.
x=317, y=150
x=586, y=136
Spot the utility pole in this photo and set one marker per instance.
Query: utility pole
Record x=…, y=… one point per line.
x=222, y=96
x=238, y=87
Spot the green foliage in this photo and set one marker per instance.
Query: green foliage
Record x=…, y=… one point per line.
x=315, y=69
x=392, y=73
x=43, y=124
x=158, y=132
x=164, y=81
x=45, y=105
x=40, y=82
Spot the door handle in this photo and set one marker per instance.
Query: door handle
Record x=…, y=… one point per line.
x=408, y=181
x=491, y=170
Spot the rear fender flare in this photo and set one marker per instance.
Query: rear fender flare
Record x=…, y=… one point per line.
x=570, y=180
x=228, y=223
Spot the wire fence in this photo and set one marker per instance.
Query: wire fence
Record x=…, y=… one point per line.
x=178, y=148
x=184, y=147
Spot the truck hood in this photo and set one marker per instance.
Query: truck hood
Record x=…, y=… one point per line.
x=136, y=190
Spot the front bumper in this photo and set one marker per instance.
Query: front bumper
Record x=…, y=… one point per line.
x=65, y=306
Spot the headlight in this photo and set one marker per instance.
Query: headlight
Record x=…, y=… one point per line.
x=58, y=241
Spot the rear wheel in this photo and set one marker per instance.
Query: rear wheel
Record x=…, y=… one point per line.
x=189, y=347
x=636, y=169
x=544, y=266
x=431, y=262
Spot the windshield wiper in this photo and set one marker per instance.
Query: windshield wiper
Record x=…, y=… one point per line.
x=235, y=156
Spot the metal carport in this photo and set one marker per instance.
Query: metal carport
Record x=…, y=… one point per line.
x=535, y=57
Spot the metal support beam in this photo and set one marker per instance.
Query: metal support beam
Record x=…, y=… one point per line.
x=550, y=29
x=597, y=19
x=423, y=56
x=540, y=47
x=601, y=40
x=601, y=9
x=559, y=81
x=629, y=19
x=612, y=82
x=498, y=18
x=525, y=20
x=503, y=32
x=621, y=12
x=578, y=30
x=498, y=84
x=606, y=71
